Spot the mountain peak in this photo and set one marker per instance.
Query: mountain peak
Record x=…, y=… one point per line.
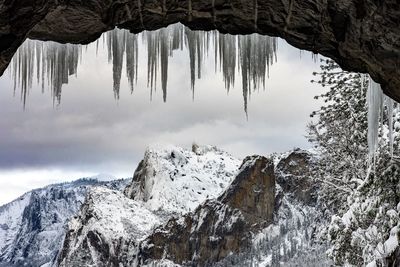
x=177, y=180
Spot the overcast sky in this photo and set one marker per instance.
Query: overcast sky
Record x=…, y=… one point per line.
x=91, y=132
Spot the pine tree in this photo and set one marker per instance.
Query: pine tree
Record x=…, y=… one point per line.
x=363, y=195
x=340, y=133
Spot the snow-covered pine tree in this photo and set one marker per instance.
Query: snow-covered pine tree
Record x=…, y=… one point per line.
x=363, y=197
x=340, y=133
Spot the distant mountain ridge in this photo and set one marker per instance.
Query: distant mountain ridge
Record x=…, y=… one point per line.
x=32, y=227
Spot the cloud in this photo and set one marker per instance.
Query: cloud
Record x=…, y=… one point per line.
x=91, y=132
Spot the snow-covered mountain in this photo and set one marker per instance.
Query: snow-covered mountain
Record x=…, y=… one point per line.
x=32, y=227
x=198, y=207
x=202, y=210
x=169, y=181
x=176, y=180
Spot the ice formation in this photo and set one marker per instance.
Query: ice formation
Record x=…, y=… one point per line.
x=375, y=102
x=227, y=51
x=251, y=55
x=389, y=105
x=256, y=54
x=54, y=61
x=116, y=42
x=131, y=59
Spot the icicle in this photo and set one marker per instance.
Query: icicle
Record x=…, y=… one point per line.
x=164, y=54
x=38, y=59
x=375, y=102
x=116, y=52
x=256, y=54
x=245, y=67
x=191, y=45
x=227, y=52
x=131, y=58
x=152, y=58
x=389, y=105
x=55, y=61
x=97, y=46
x=255, y=15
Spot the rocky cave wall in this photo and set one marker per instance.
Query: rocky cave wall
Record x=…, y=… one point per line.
x=361, y=35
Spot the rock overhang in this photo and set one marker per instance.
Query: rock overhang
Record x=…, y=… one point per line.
x=360, y=35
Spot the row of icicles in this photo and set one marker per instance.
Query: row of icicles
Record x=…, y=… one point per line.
x=252, y=55
x=52, y=63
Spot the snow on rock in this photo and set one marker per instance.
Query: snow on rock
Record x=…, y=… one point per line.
x=289, y=239
x=104, y=177
x=32, y=227
x=177, y=180
x=106, y=230
x=11, y=216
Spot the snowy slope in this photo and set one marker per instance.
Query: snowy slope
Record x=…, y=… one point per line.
x=176, y=180
x=106, y=230
x=290, y=239
x=32, y=226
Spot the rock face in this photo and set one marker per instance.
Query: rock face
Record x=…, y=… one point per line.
x=253, y=191
x=208, y=235
x=218, y=227
x=298, y=217
x=294, y=176
x=266, y=209
x=361, y=35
